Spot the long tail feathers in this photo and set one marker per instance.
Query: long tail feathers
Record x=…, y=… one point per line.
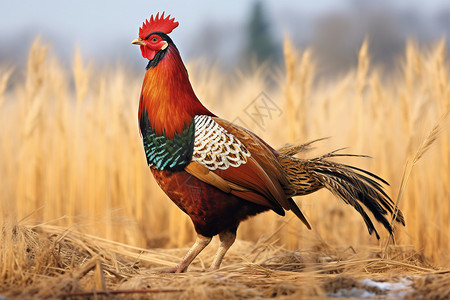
x=291, y=149
x=355, y=186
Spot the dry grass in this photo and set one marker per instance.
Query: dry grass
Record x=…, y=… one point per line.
x=54, y=262
x=72, y=158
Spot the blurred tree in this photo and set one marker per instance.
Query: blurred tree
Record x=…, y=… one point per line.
x=260, y=45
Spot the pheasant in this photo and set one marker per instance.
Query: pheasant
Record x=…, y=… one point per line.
x=219, y=173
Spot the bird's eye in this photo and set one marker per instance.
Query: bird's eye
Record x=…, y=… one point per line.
x=154, y=40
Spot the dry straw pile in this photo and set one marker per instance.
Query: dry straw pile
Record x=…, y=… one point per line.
x=52, y=262
x=72, y=162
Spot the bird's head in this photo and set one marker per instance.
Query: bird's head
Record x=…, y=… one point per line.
x=153, y=35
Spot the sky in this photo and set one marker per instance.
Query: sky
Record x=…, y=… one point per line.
x=109, y=25
x=94, y=24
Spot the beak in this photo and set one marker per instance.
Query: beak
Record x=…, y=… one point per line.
x=138, y=41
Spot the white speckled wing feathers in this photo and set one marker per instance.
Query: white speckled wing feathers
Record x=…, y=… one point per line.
x=215, y=148
x=224, y=161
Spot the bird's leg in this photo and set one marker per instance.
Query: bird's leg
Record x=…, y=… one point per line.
x=227, y=239
x=199, y=245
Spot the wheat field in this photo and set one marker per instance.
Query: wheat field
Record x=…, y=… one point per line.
x=72, y=158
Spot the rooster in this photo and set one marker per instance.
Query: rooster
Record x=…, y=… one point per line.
x=219, y=173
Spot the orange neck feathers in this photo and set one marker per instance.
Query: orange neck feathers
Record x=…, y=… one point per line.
x=167, y=96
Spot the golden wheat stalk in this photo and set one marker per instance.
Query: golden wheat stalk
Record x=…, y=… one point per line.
x=409, y=165
x=81, y=75
x=290, y=60
x=4, y=78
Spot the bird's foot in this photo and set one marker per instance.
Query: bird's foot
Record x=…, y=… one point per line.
x=177, y=269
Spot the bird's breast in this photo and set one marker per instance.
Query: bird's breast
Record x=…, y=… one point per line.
x=167, y=153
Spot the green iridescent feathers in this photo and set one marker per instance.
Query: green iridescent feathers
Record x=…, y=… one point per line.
x=164, y=153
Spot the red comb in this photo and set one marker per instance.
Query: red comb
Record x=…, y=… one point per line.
x=158, y=23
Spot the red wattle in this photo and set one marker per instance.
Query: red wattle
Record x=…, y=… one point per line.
x=147, y=52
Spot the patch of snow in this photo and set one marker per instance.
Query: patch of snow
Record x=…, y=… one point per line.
x=396, y=290
x=353, y=293
x=386, y=286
